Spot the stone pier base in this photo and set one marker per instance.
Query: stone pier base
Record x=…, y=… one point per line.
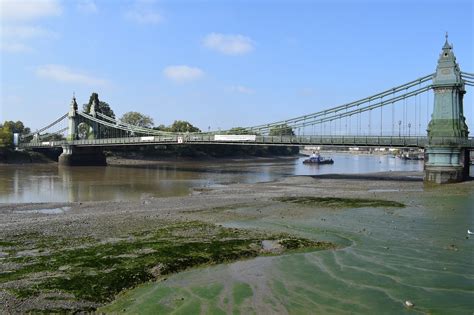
x=73, y=156
x=446, y=165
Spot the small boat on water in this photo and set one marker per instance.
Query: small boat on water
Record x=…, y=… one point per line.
x=318, y=160
x=411, y=157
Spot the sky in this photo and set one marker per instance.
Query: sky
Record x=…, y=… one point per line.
x=220, y=64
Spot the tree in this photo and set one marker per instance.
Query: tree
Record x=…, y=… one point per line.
x=281, y=130
x=101, y=107
x=239, y=131
x=7, y=129
x=137, y=119
x=162, y=128
x=53, y=137
x=16, y=127
x=6, y=137
x=183, y=126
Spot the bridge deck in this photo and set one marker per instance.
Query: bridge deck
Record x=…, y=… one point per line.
x=359, y=141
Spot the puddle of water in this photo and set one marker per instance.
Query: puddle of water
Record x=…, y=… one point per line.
x=46, y=211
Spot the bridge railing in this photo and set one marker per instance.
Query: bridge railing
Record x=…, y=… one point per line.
x=262, y=140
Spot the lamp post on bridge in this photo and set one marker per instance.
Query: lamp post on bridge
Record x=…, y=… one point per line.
x=409, y=126
x=399, y=126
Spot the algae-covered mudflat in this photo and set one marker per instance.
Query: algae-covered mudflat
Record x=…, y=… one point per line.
x=92, y=272
x=297, y=245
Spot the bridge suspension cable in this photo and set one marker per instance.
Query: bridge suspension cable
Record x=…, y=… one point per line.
x=468, y=78
x=103, y=122
x=367, y=108
x=45, y=128
x=467, y=74
x=355, y=111
x=49, y=135
x=324, y=118
x=134, y=127
x=336, y=109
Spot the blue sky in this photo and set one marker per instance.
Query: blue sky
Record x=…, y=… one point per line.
x=219, y=63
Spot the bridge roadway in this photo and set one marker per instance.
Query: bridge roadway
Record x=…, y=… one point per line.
x=196, y=139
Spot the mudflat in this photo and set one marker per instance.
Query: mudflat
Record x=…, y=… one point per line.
x=79, y=256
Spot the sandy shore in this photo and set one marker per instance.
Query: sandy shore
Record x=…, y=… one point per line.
x=108, y=221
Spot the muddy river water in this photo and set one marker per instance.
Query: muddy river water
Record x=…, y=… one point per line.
x=48, y=183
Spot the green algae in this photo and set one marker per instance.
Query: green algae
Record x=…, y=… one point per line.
x=240, y=292
x=334, y=202
x=97, y=271
x=208, y=292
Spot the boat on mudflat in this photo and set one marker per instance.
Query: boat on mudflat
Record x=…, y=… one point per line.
x=318, y=160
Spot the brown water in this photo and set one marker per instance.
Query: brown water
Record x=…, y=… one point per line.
x=49, y=183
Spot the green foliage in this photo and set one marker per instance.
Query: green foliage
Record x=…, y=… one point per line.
x=101, y=107
x=162, y=128
x=16, y=127
x=137, y=119
x=281, y=130
x=183, y=126
x=6, y=137
x=53, y=137
x=178, y=126
x=240, y=131
x=7, y=129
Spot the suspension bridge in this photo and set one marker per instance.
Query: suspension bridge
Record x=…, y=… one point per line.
x=397, y=117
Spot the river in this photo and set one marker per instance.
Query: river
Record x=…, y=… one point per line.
x=420, y=253
x=48, y=183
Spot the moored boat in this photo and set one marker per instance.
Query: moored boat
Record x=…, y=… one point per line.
x=318, y=160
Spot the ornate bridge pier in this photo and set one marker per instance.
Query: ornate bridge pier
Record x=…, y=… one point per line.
x=81, y=156
x=447, y=163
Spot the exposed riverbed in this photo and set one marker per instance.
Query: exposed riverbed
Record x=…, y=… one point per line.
x=395, y=240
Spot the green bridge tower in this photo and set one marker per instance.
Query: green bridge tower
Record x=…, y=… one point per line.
x=447, y=163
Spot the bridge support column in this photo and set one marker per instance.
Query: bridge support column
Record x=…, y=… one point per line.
x=72, y=120
x=446, y=160
x=446, y=165
x=74, y=156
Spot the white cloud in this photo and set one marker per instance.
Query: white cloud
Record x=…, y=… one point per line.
x=26, y=31
x=28, y=9
x=16, y=16
x=14, y=47
x=87, y=6
x=144, y=17
x=242, y=89
x=64, y=74
x=14, y=38
x=143, y=12
x=182, y=73
x=229, y=44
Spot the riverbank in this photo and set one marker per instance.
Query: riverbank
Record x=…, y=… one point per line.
x=12, y=157
x=52, y=252
x=142, y=160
